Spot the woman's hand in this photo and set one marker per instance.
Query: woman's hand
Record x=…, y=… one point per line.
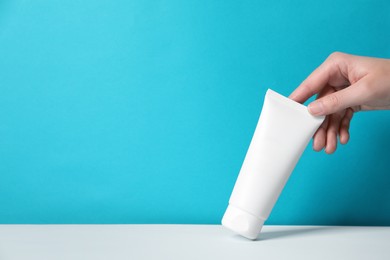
x=344, y=84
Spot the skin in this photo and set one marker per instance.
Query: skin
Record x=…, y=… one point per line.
x=344, y=84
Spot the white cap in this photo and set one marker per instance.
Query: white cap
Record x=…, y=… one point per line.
x=242, y=222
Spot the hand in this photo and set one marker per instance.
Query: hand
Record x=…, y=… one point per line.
x=344, y=84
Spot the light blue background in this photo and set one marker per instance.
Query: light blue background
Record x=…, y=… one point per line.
x=142, y=111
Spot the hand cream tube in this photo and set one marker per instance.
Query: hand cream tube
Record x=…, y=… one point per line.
x=284, y=129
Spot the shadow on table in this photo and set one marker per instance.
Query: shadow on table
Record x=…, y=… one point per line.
x=267, y=235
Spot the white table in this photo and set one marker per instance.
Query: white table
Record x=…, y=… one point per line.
x=137, y=242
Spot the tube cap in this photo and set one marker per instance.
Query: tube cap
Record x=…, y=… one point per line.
x=242, y=222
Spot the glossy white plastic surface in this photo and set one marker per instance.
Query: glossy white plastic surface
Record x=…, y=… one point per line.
x=283, y=131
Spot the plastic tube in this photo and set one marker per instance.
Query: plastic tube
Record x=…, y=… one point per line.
x=282, y=134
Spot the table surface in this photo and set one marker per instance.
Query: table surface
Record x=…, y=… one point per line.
x=172, y=242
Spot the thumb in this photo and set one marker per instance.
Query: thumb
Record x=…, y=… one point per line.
x=337, y=101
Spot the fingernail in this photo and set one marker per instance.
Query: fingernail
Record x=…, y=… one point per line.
x=293, y=96
x=316, y=108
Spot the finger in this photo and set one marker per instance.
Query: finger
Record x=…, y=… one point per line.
x=331, y=71
x=319, y=138
x=331, y=133
x=344, y=126
x=351, y=96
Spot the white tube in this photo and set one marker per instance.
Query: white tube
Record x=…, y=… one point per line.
x=282, y=134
